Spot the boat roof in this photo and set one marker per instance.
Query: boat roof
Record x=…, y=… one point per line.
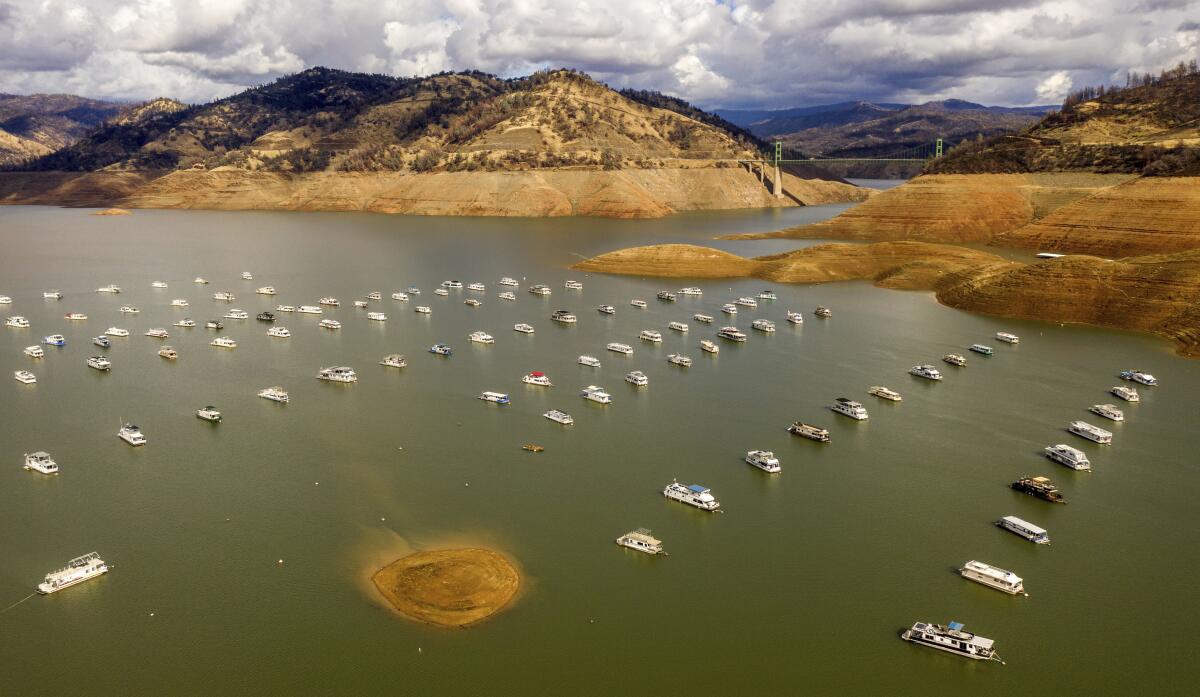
x=1024, y=524
x=538, y=374
x=697, y=488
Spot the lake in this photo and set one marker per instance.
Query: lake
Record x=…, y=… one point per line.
x=241, y=551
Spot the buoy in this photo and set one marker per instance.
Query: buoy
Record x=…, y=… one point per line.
x=467, y=484
x=152, y=614
x=280, y=561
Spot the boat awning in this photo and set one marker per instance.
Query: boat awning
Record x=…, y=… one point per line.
x=697, y=488
x=538, y=374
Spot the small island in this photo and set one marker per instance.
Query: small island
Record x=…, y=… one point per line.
x=449, y=587
x=112, y=211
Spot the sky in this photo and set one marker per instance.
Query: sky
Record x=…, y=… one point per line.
x=714, y=53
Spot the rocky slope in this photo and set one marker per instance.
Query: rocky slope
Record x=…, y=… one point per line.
x=35, y=125
x=1158, y=293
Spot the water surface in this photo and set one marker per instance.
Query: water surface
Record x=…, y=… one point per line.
x=800, y=586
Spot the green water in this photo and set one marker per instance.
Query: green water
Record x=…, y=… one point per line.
x=799, y=587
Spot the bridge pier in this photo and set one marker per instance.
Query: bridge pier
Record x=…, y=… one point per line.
x=777, y=184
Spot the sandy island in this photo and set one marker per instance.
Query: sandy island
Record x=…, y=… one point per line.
x=112, y=211
x=449, y=587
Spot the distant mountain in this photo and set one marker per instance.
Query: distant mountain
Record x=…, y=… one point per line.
x=767, y=124
x=1149, y=127
x=37, y=124
x=323, y=119
x=781, y=122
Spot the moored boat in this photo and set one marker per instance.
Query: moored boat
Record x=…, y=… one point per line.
x=709, y=346
x=617, y=347
x=848, y=407
x=132, y=435
x=951, y=639
x=638, y=303
x=24, y=376
x=329, y=324
x=75, y=316
x=596, y=394
x=60, y=340
x=993, y=577
x=224, y=342
x=732, y=334
x=651, y=336
x=926, y=371
x=523, y=328
x=765, y=460
x=642, y=541
x=1093, y=433
x=1067, y=456
x=275, y=394
x=702, y=318
x=590, y=361
x=955, y=359
x=1024, y=529
x=763, y=325
x=981, y=349
x=41, y=462
x=36, y=351
x=481, y=338
x=76, y=571
x=116, y=331
x=1008, y=338
x=494, y=397
x=637, y=378
x=537, y=377
x=884, y=393
x=679, y=360
x=100, y=363
x=823, y=312
x=1108, y=411
x=440, y=350
x=561, y=417
x=1128, y=394
x=394, y=360
x=563, y=316
x=1038, y=487
x=1139, y=376
x=799, y=428
x=168, y=353
x=677, y=326
x=208, y=413
x=340, y=373
x=279, y=332
x=693, y=495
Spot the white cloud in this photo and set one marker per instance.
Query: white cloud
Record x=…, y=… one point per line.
x=1054, y=87
x=715, y=52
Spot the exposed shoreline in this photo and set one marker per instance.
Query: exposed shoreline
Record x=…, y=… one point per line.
x=450, y=588
x=1158, y=293
x=623, y=193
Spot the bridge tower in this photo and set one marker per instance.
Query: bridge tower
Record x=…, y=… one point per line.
x=938, y=153
x=777, y=181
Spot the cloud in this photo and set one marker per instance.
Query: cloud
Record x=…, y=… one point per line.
x=714, y=52
x=1055, y=87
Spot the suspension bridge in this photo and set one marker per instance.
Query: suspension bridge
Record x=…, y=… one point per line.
x=782, y=157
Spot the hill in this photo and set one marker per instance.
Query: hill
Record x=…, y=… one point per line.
x=553, y=143
x=37, y=124
x=1151, y=126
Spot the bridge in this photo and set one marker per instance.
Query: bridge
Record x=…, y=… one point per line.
x=918, y=153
